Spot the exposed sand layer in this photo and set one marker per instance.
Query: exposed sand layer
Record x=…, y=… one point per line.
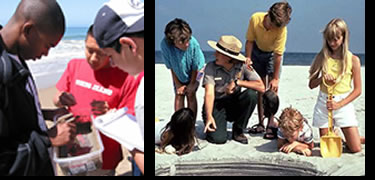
x=260, y=156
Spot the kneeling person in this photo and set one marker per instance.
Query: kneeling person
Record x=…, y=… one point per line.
x=224, y=101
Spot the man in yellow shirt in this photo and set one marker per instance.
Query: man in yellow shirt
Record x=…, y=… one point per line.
x=265, y=45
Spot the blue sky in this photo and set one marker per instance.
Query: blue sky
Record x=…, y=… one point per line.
x=78, y=13
x=210, y=19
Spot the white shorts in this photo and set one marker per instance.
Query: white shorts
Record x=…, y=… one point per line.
x=343, y=117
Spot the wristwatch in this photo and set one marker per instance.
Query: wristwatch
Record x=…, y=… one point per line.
x=235, y=82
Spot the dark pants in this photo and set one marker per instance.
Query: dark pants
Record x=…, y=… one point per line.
x=236, y=108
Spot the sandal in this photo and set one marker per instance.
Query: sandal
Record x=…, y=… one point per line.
x=254, y=129
x=270, y=135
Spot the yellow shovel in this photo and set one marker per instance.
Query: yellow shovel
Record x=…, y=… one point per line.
x=330, y=144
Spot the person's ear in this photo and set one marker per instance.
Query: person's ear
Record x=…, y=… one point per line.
x=128, y=41
x=27, y=28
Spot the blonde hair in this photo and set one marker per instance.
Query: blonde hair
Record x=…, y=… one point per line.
x=291, y=120
x=334, y=29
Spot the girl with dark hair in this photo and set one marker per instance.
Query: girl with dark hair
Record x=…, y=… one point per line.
x=179, y=132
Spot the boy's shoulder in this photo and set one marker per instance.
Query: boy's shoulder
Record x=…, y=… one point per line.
x=75, y=61
x=258, y=15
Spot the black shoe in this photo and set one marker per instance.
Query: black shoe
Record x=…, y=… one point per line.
x=241, y=138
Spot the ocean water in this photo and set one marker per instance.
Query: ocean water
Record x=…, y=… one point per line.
x=290, y=58
x=48, y=70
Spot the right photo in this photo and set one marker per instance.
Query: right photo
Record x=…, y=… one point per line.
x=259, y=88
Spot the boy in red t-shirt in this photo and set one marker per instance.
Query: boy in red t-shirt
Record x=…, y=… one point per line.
x=90, y=81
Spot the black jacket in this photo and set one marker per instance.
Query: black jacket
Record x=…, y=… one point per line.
x=23, y=145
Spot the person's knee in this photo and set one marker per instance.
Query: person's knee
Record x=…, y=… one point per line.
x=250, y=95
x=216, y=139
x=191, y=96
x=355, y=149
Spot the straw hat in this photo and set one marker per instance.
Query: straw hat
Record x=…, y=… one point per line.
x=230, y=46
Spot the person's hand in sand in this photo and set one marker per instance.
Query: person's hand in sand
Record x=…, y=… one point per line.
x=210, y=125
x=288, y=147
x=305, y=151
x=296, y=147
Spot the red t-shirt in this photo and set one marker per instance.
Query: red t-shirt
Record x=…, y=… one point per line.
x=113, y=85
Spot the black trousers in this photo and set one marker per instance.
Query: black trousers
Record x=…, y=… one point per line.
x=236, y=108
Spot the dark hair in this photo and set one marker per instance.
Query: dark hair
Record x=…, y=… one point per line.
x=90, y=32
x=47, y=15
x=270, y=103
x=177, y=29
x=116, y=44
x=280, y=13
x=180, y=132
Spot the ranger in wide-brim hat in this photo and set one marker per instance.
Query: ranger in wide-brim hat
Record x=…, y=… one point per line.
x=230, y=46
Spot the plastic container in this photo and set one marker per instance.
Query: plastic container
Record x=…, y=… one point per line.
x=85, y=162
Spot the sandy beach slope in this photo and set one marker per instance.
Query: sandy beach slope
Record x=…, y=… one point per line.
x=293, y=91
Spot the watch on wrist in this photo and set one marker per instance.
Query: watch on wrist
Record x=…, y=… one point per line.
x=235, y=82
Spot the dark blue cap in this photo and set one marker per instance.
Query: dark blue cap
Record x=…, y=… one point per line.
x=116, y=18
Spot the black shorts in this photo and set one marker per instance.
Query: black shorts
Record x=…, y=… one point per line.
x=263, y=62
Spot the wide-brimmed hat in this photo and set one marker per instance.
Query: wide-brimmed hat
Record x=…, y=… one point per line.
x=228, y=45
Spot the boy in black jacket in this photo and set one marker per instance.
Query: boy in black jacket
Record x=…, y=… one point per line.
x=34, y=28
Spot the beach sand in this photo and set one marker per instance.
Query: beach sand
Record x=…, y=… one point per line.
x=293, y=91
x=46, y=95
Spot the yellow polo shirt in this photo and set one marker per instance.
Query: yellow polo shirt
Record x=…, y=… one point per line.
x=334, y=67
x=270, y=41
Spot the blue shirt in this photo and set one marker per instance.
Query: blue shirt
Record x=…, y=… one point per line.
x=183, y=62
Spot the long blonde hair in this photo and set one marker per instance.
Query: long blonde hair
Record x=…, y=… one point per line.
x=335, y=28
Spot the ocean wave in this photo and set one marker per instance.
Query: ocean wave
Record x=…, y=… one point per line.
x=47, y=70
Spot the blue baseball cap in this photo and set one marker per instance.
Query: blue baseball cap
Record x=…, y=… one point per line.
x=116, y=18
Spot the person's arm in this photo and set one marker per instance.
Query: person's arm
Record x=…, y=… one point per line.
x=62, y=133
x=180, y=88
x=280, y=143
x=254, y=84
x=356, y=71
x=295, y=146
x=209, y=98
x=191, y=86
x=274, y=84
x=248, y=51
x=315, y=81
x=138, y=157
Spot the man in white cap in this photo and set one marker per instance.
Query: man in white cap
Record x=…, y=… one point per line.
x=119, y=30
x=224, y=101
